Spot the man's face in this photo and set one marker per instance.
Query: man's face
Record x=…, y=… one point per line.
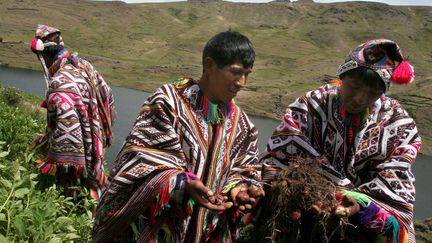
x=357, y=97
x=226, y=82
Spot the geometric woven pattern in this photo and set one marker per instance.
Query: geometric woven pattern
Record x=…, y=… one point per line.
x=80, y=109
x=169, y=138
x=378, y=164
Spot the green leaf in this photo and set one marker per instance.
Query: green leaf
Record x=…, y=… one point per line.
x=89, y=214
x=20, y=193
x=24, y=182
x=3, y=239
x=17, y=176
x=4, y=154
x=72, y=236
x=6, y=183
x=64, y=220
x=33, y=176
x=70, y=228
x=19, y=226
x=55, y=240
x=2, y=217
x=3, y=193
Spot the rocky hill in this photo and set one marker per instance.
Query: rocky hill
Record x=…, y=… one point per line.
x=299, y=45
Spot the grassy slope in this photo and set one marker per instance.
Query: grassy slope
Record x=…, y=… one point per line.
x=298, y=46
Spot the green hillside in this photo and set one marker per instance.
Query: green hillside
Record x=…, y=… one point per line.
x=299, y=46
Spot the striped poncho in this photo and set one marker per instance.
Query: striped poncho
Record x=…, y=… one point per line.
x=171, y=142
x=80, y=110
x=375, y=160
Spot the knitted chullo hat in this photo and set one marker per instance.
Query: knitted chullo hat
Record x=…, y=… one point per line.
x=384, y=57
x=46, y=39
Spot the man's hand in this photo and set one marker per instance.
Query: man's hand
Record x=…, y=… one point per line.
x=205, y=197
x=244, y=197
x=348, y=207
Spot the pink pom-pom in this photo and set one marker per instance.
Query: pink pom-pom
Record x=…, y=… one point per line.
x=403, y=73
x=37, y=45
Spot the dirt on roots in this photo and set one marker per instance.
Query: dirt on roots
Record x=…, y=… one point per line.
x=290, y=216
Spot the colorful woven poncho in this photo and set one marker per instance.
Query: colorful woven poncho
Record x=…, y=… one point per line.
x=375, y=160
x=80, y=110
x=176, y=137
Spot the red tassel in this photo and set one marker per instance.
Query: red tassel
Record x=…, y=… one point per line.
x=188, y=209
x=37, y=45
x=43, y=104
x=79, y=171
x=45, y=168
x=153, y=213
x=164, y=195
x=403, y=73
x=343, y=112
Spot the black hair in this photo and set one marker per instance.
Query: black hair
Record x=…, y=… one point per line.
x=367, y=76
x=229, y=47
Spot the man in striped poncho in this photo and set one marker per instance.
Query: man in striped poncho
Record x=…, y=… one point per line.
x=368, y=141
x=80, y=110
x=188, y=169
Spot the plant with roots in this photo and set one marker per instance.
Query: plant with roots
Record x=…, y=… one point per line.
x=301, y=200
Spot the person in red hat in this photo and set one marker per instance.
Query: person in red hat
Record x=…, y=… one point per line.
x=368, y=141
x=80, y=111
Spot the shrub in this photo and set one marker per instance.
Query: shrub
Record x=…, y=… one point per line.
x=11, y=96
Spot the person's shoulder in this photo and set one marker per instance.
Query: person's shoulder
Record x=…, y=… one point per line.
x=391, y=103
x=65, y=80
x=177, y=87
x=393, y=106
x=239, y=110
x=87, y=67
x=243, y=116
x=66, y=74
x=85, y=63
x=328, y=89
x=166, y=91
x=320, y=95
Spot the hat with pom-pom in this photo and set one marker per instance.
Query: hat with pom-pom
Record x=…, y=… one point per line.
x=384, y=57
x=46, y=39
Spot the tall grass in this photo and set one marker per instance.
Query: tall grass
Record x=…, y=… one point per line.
x=29, y=212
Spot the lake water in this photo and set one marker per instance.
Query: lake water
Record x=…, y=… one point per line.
x=129, y=101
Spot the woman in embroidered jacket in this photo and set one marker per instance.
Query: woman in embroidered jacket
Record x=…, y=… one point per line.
x=80, y=109
x=368, y=141
x=190, y=155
